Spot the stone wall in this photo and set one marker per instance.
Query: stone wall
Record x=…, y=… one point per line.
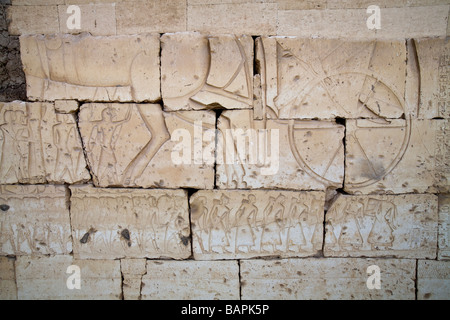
x=225, y=150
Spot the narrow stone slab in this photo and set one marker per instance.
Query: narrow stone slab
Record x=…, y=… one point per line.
x=245, y=224
x=119, y=223
x=201, y=72
x=8, y=288
x=132, y=272
x=34, y=220
x=433, y=280
x=285, y=154
x=37, y=145
x=47, y=278
x=33, y=19
x=135, y=145
x=186, y=280
x=92, y=68
x=330, y=279
x=444, y=227
x=404, y=226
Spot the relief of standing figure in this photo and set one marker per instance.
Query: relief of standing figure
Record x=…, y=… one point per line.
x=381, y=236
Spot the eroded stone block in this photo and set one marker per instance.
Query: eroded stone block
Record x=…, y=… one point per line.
x=34, y=220
x=66, y=106
x=132, y=272
x=404, y=226
x=119, y=223
x=329, y=279
x=433, y=280
x=96, y=18
x=196, y=280
x=139, y=145
x=444, y=227
x=92, y=68
x=200, y=72
x=245, y=224
x=8, y=288
x=33, y=19
x=38, y=145
x=46, y=278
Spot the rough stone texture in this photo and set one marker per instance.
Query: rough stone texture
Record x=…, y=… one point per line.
x=45, y=278
x=397, y=156
x=38, y=145
x=85, y=67
x=119, y=223
x=244, y=224
x=191, y=280
x=444, y=227
x=199, y=71
x=329, y=279
x=403, y=226
x=433, y=280
x=8, y=288
x=132, y=145
x=66, y=106
x=33, y=19
x=306, y=155
x=324, y=79
x=132, y=272
x=34, y=220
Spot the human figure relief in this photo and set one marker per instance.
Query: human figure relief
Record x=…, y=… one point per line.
x=350, y=237
x=245, y=219
x=218, y=226
x=381, y=235
x=295, y=238
x=273, y=224
x=199, y=215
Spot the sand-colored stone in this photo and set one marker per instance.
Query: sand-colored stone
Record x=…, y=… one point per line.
x=200, y=72
x=433, y=280
x=301, y=155
x=8, y=288
x=37, y=145
x=444, y=227
x=330, y=279
x=132, y=145
x=37, y=2
x=45, y=278
x=235, y=224
x=66, y=106
x=132, y=272
x=324, y=79
x=397, y=156
x=403, y=226
x=34, y=220
x=92, y=68
x=121, y=223
x=191, y=280
x=33, y=19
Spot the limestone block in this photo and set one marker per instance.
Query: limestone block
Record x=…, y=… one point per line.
x=139, y=145
x=33, y=19
x=47, y=278
x=326, y=279
x=433, y=280
x=191, y=280
x=8, y=289
x=119, y=223
x=404, y=226
x=66, y=106
x=397, y=156
x=245, y=224
x=37, y=2
x=286, y=154
x=92, y=68
x=97, y=19
x=324, y=79
x=37, y=145
x=444, y=227
x=132, y=272
x=34, y=220
x=199, y=72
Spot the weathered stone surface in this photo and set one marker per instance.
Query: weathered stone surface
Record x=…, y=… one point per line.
x=38, y=145
x=8, y=288
x=302, y=155
x=244, y=224
x=33, y=19
x=133, y=145
x=132, y=272
x=93, y=68
x=46, y=278
x=199, y=72
x=444, y=227
x=397, y=156
x=433, y=280
x=118, y=223
x=186, y=280
x=97, y=19
x=330, y=279
x=66, y=106
x=404, y=226
x=317, y=78
x=34, y=220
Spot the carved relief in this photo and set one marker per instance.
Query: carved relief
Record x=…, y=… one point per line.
x=200, y=72
x=34, y=220
x=404, y=226
x=243, y=224
x=117, y=223
x=84, y=67
x=444, y=228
